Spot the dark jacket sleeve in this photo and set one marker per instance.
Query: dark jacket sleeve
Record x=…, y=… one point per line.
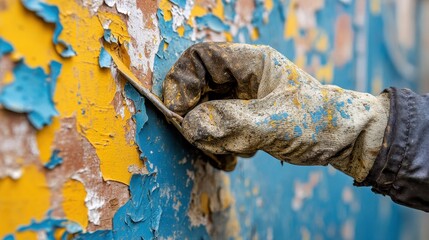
x=401, y=169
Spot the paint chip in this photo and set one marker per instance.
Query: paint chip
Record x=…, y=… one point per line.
x=5, y=47
x=32, y=92
x=51, y=14
x=104, y=60
x=213, y=22
x=140, y=116
x=52, y=226
x=108, y=36
x=54, y=161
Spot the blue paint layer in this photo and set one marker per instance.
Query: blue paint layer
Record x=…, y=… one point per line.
x=211, y=21
x=32, y=92
x=97, y=235
x=51, y=225
x=9, y=237
x=51, y=14
x=140, y=116
x=108, y=36
x=164, y=147
x=139, y=218
x=5, y=47
x=54, y=161
x=180, y=3
x=165, y=59
x=229, y=9
x=104, y=60
x=149, y=214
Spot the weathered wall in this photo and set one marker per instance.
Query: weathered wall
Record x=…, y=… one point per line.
x=82, y=154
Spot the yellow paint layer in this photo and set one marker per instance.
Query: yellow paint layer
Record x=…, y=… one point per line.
x=166, y=6
x=375, y=6
x=181, y=31
x=8, y=78
x=197, y=11
x=268, y=5
x=23, y=200
x=26, y=235
x=291, y=28
x=117, y=26
x=228, y=37
x=254, y=35
x=83, y=89
x=322, y=42
x=74, y=202
x=325, y=73
x=301, y=61
x=219, y=10
x=377, y=85
x=86, y=91
x=26, y=31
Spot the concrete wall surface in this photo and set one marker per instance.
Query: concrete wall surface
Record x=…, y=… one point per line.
x=84, y=156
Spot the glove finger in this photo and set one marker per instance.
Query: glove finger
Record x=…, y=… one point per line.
x=215, y=71
x=224, y=127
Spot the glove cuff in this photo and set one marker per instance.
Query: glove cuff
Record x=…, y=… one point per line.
x=370, y=139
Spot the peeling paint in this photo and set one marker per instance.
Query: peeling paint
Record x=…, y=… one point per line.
x=104, y=60
x=5, y=47
x=49, y=226
x=111, y=141
x=54, y=161
x=31, y=92
x=211, y=21
x=50, y=14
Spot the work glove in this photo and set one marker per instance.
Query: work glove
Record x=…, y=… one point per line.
x=238, y=99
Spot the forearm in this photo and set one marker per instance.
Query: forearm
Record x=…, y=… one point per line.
x=401, y=169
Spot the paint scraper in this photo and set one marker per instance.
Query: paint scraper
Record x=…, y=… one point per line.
x=223, y=162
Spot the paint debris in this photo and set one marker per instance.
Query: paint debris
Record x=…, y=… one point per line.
x=54, y=161
x=32, y=92
x=51, y=14
x=104, y=60
x=5, y=47
x=211, y=21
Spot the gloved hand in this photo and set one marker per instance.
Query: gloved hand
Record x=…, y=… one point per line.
x=238, y=98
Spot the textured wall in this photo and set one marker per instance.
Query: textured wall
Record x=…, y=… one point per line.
x=82, y=154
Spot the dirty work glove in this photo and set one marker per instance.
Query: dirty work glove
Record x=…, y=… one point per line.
x=238, y=98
